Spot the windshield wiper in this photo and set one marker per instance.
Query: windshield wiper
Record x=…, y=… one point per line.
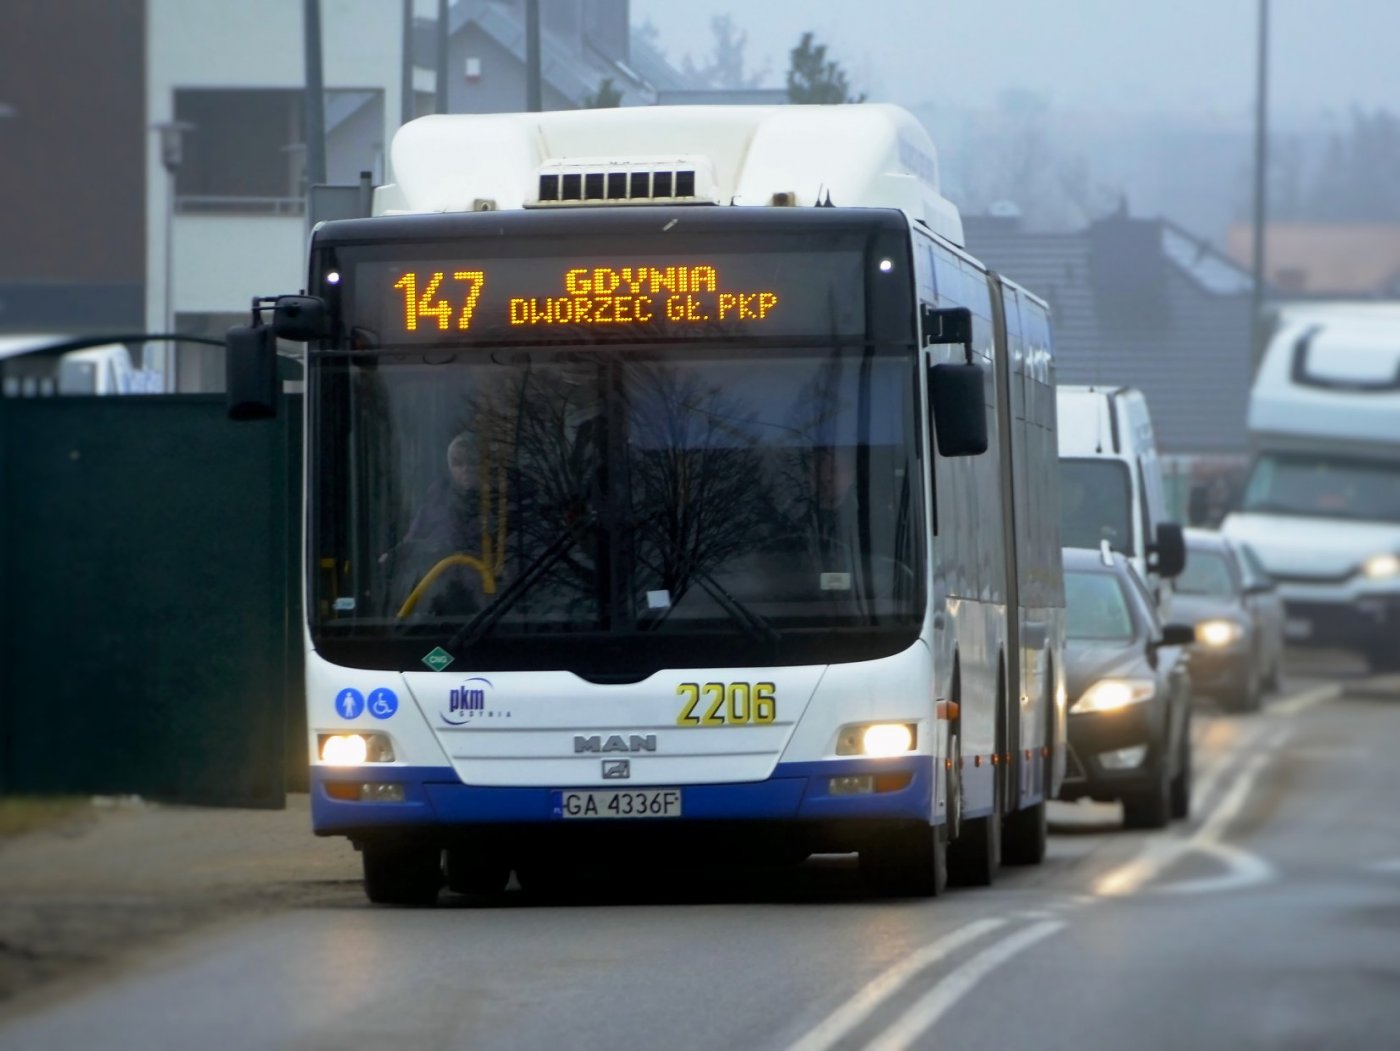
x=473, y=630
x=746, y=618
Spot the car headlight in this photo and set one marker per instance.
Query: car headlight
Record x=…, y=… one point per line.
x=876, y=739
x=1109, y=695
x=1218, y=633
x=1378, y=567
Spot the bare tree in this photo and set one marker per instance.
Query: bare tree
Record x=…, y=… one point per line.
x=726, y=65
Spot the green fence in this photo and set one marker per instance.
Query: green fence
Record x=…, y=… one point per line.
x=148, y=600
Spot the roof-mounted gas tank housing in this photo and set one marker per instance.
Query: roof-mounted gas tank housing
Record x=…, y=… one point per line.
x=874, y=156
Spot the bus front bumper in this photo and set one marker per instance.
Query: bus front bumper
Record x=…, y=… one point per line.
x=434, y=799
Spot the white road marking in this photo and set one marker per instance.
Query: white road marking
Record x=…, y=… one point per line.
x=1158, y=855
x=905, y=1030
x=841, y=1022
x=1243, y=870
x=1204, y=783
x=1302, y=701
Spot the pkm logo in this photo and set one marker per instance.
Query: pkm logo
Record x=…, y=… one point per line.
x=467, y=702
x=467, y=699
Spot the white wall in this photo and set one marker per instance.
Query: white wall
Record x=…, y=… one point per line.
x=222, y=260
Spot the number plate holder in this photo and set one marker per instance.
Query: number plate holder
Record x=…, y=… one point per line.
x=616, y=804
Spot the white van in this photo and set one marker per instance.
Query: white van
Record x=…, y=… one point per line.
x=1322, y=505
x=1111, y=481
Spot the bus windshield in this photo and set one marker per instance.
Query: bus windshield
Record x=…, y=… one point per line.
x=671, y=508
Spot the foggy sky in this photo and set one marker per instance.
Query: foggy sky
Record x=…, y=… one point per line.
x=1179, y=56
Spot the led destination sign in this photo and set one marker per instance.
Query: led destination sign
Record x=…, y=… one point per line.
x=554, y=299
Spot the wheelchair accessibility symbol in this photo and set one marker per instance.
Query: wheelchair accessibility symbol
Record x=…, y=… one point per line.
x=383, y=703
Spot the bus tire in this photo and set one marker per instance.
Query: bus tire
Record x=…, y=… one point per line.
x=973, y=860
x=402, y=875
x=975, y=857
x=907, y=862
x=470, y=873
x=1024, y=836
x=1025, y=832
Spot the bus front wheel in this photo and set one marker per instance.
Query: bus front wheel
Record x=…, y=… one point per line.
x=401, y=874
x=908, y=862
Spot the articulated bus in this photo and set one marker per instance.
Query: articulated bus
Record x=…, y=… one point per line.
x=676, y=486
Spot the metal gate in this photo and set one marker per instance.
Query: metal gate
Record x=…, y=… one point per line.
x=148, y=599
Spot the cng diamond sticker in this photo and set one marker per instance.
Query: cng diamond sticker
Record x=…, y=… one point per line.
x=438, y=659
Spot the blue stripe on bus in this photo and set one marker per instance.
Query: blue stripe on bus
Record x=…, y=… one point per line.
x=433, y=796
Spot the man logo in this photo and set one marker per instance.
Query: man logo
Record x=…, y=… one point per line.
x=615, y=743
x=616, y=769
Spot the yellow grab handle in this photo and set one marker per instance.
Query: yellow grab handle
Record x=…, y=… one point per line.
x=488, y=579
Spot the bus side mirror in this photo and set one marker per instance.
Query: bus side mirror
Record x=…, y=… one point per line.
x=959, y=411
x=250, y=372
x=1169, y=550
x=300, y=319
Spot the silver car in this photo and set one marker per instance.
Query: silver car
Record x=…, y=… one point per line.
x=1238, y=616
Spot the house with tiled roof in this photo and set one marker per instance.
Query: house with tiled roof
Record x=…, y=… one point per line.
x=1140, y=303
x=582, y=44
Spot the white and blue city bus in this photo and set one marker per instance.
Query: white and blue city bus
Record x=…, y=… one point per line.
x=676, y=484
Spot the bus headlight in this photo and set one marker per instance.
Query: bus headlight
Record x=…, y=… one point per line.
x=1378, y=567
x=1217, y=634
x=1109, y=695
x=355, y=749
x=876, y=739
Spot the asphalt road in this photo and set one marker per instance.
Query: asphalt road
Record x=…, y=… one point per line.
x=1270, y=919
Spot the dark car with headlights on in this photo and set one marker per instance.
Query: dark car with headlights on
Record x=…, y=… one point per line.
x=1239, y=621
x=1129, y=693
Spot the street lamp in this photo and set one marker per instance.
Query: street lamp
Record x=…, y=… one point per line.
x=1261, y=188
x=172, y=155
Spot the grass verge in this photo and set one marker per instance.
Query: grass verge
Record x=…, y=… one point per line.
x=21, y=814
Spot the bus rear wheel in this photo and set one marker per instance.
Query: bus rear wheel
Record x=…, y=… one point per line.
x=402, y=875
x=908, y=862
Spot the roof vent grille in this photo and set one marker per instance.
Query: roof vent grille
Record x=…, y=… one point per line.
x=641, y=181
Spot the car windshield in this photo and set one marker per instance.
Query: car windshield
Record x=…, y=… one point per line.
x=557, y=494
x=1206, y=573
x=1096, y=504
x=1096, y=607
x=1324, y=486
